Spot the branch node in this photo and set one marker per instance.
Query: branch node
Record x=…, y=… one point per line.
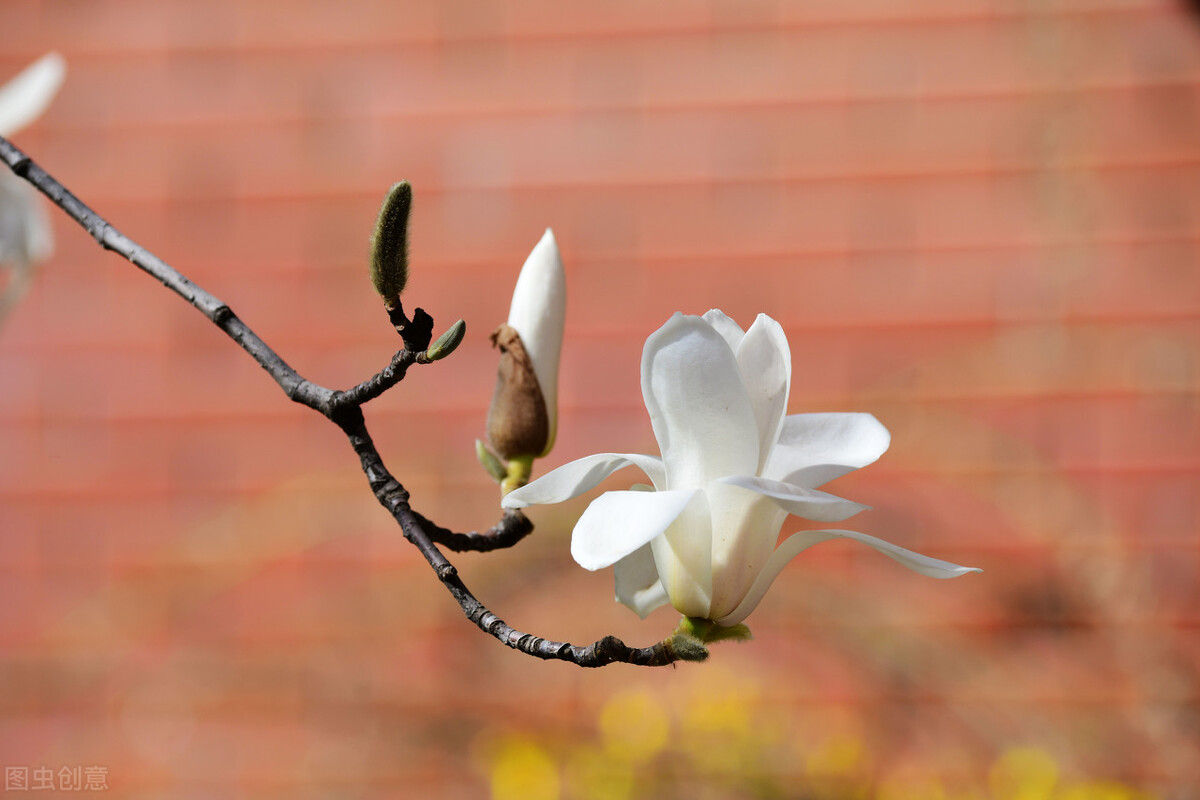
x=345, y=415
x=98, y=228
x=418, y=332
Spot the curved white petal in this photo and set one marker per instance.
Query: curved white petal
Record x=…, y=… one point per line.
x=637, y=584
x=25, y=97
x=799, y=542
x=825, y=446
x=683, y=556
x=537, y=313
x=618, y=523
x=699, y=409
x=807, y=503
x=765, y=363
x=729, y=330
x=576, y=477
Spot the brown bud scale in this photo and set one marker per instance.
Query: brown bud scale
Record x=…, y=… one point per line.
x=518, y=422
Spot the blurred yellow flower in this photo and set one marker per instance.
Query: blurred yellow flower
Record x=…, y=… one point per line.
x=838, y=755
x=634, y=725
x=521, y=769
x=1023, y=773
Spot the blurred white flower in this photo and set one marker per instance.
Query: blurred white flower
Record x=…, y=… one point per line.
x=733, y=467
x=24, y=229
x=26, y=96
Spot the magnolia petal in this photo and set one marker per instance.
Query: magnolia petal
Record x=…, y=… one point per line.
x=745, y=528
x=813, y=449
x=765, y=363
x=637, y=583
x=537, y=313
x=576, y=477
x=26, y=96
x=701, y=415
x=683, y=556
x=729, y=330
x=618, y=523
x=799, y=542
x=807, y=503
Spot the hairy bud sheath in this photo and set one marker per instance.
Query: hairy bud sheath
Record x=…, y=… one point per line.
x=389, y=245
x=523, y=417
x=518, y=420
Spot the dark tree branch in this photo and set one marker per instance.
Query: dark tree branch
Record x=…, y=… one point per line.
x=218, y=312
x=345, y=410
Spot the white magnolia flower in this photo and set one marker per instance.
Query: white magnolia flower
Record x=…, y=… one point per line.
x=733, y=467
x=523, y=419
x=24, y=229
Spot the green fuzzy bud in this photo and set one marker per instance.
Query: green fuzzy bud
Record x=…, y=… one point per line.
x=686, y=648
x=447, y=342
x=389, y=245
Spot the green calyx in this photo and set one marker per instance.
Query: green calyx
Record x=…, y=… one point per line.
x=510, y=473
x=690, y=640
x=491, y=463
x=389, y=245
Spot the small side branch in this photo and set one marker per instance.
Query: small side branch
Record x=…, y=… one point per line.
x=512, y=528
x=394, y=498
x=381, y=381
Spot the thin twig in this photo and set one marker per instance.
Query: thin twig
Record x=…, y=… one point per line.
x=345, y=410
x=512, y=528
x=381, y=381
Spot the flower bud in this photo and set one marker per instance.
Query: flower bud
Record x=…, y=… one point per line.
x=448, y=342
x=389, y=245
x=523, y=417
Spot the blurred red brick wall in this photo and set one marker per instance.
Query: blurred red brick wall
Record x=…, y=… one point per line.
x=978, y=220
